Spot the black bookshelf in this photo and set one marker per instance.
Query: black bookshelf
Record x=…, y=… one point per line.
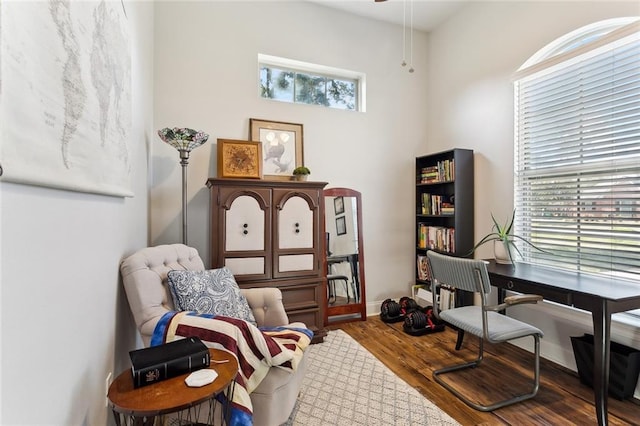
x=444, y=207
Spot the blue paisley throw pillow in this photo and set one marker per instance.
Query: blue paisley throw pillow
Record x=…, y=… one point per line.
x=210, y=292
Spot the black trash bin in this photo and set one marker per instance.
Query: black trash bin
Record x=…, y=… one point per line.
x=624, y=365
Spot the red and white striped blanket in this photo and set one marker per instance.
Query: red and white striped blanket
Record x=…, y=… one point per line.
x=257, y=350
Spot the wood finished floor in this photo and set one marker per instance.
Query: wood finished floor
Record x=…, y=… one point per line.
x=561, y=400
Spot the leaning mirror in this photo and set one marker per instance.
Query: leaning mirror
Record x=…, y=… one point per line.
x=345, y=292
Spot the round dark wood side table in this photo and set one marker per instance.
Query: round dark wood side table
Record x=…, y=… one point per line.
x=142, y=406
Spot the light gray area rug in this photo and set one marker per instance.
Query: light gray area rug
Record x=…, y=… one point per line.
x=346, y=385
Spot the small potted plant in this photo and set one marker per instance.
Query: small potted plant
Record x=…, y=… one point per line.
x=301, y=173
x=504, y=241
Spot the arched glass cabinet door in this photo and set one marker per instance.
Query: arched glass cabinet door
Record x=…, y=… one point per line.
x=345, y=290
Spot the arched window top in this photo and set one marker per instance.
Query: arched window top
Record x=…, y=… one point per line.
x=578, y=40
x=577, y=151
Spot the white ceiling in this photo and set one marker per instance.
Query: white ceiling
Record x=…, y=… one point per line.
x=427, y=14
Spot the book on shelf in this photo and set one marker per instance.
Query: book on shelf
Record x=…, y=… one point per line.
x=424, y=273
x=447, y=298
x=442, y=171
x=436, y=238
x=433, y=204
x=447, y=208
x=425, y=203
x=157, y=363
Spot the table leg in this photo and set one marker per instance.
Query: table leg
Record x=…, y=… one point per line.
x=601, y=344
x=227, y=409
x=116, y=417
x=130, y=419
x=353, y=261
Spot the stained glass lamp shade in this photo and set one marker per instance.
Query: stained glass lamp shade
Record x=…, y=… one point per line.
x=184, y=140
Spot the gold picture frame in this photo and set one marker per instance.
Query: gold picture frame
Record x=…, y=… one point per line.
x=239, y=159
x=282, y=147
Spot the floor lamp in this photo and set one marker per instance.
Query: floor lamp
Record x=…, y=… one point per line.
x=184, y=140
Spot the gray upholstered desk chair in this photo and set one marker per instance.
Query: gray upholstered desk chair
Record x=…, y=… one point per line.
x=483, y=321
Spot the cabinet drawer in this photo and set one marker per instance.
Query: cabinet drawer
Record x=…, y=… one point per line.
x=300, y=296
x=255, y=266
x=553, y=295
x=310, y=317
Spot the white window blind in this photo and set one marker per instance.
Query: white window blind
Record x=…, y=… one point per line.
x=577, y=158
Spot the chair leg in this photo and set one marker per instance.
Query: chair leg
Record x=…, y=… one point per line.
x=460, y=338
x=475, y=363
x=346, y=288
x=331, y=287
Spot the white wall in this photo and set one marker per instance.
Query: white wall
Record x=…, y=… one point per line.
x=207, y=78
x=472, y=57
x=65, y=322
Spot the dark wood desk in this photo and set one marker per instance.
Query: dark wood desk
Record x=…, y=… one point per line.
x=600, y=296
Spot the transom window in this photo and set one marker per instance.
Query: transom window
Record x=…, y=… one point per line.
x=577, y=151
x=301, y=82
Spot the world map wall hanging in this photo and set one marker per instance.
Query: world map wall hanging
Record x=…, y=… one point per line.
x=65, y=95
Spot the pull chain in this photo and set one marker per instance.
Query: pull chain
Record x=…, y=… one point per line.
x=411, y=42
x=404, y=32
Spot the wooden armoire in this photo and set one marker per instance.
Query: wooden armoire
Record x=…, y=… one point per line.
x=271, y=234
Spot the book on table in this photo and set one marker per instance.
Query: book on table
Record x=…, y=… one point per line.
x=156, y=363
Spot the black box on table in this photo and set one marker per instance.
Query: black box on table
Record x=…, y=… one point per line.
x=156, y=363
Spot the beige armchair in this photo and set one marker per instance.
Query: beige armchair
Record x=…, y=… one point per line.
x=144, y=275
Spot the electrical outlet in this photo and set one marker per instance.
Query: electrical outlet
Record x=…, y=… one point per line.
x=107, y=383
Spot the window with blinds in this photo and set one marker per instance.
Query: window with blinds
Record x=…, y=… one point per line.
x=577, y=155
